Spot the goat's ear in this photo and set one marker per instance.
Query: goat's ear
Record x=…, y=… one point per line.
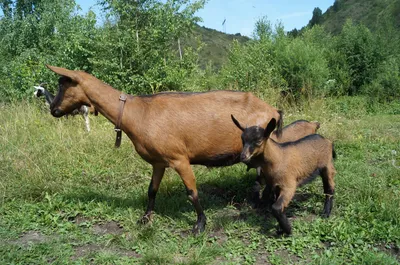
x=65, y=72
x=235, y=121
x=270, y=128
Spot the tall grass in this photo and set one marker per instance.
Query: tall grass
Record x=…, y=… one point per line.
x=52, y=172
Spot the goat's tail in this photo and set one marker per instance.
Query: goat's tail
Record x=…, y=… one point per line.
x=317, y=124
x=280, y=124
x=333, y=151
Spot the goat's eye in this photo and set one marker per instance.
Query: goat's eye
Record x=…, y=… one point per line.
x=259, y=143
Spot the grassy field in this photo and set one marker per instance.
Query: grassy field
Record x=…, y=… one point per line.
x=69, y=197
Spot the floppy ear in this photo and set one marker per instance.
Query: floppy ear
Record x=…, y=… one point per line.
x=65, y=72
x=270, y=128
x=235, y=121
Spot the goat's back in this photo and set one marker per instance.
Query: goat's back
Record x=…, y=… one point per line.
x=305, y=156
x=296, y=130
x=198, y=126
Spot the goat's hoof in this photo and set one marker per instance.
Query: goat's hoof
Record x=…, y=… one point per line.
x=325, y=215
x=282, y=232
x=199, y=227
x=147, y=218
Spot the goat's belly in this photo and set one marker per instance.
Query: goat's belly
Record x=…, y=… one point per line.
x=220, y=160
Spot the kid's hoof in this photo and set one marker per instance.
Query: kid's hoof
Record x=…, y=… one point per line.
x=147, y=218
x=325, y=215
x=281, y=232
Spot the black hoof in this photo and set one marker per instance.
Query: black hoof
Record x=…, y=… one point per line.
x=325, y=215
x=281, y=232
x=147, y=218
x=200, y=226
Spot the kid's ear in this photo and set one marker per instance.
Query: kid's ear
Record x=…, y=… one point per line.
x=270, y=128
x=235, y=121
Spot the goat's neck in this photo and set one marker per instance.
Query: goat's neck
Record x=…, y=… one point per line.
x=48, y=96
x=106, y=101
x=272, y=152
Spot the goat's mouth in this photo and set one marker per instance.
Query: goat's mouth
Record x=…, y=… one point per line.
x=57, y=113
x=245, y=158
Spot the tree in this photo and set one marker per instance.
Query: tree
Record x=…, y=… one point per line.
x=316, y=18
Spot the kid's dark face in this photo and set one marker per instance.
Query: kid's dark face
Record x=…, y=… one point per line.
x=252, y=139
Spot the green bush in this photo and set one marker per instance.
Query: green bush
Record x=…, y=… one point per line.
x=386, y=86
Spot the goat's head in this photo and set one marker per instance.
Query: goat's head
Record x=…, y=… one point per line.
x=254, y=139
x=70, y=94
x=39, y=90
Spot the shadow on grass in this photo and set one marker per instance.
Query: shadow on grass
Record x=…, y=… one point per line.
x=215, y=194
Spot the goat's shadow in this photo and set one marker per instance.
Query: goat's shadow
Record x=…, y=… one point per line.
x=216, y=195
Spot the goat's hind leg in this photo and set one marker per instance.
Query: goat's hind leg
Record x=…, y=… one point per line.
x=327, y=175
x=158, y=173
x=186, y=173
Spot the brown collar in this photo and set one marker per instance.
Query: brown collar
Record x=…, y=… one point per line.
x=122, y=100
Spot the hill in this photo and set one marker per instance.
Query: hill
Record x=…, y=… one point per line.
x=368, y=12
x=216, y=45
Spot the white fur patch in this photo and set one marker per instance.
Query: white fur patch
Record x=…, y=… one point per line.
x=37, y=89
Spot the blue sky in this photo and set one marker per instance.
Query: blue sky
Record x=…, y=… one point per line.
x=241, y=15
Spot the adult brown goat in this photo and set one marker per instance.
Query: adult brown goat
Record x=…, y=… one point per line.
x=170, y=129
x=292, y=132
x=287, y=165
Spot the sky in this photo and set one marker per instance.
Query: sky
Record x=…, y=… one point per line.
x=241, y=15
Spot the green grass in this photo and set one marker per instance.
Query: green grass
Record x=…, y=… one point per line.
x=69, y=197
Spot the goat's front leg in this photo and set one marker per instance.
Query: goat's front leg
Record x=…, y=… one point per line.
x=186, y=173
x=86, y=117
x=278, y=208
x=257, y=188
x=158, y=173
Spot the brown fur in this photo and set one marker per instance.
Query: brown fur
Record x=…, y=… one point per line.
x=286, y=165
x=296, y=130
x=170, y=129
x=292, y=132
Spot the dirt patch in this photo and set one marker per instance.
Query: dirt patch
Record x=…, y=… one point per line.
x=218, y=261
x=309, y=218
x=30, y=237
x=262, y=258
x=111, y=227
x=82, y=251
x=179, y=259
x=80, y=220
x=391, y=249
x=286, y=256
x=219, y=236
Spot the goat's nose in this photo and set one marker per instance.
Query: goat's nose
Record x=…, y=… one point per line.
x=56, y=113
x=244, y=157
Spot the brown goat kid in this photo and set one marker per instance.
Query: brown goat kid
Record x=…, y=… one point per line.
x=292, y=132
x=170, y=129
x=286, y=165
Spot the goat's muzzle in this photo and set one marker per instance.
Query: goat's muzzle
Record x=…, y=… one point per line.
x=57, y=113
x=245, y=158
